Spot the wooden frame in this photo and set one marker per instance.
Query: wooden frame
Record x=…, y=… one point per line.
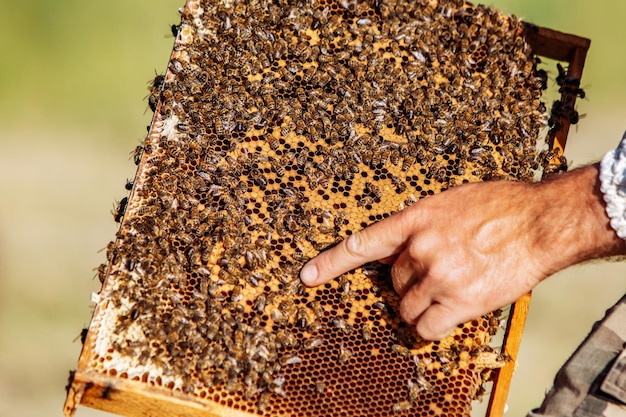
x=565, y=48
x=96, y=390
x=573, y=50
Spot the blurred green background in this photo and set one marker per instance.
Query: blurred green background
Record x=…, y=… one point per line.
x=73, y=83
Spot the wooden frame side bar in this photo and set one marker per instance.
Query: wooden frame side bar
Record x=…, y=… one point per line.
x=565, y=48
x=573, y=50
x=511, y=344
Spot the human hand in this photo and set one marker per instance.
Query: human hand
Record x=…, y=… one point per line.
x=474, y=248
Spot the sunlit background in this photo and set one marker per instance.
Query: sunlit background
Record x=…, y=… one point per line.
x=73, y=78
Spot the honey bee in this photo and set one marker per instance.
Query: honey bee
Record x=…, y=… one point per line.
x=290, y=360
x=286, y=338
x=176, y=66
x=236, y=295
x=320, y=386
x=137, y=154
x=102, y=269
x=448, y=367
x=70, y=380
x=401, y=350
x=143, y=357
x=326, y=229
x=273, y=142
x=308, y=75
x=380, y=157
x=414, y=390
x=315, y=327
x=303, y=51
x=155, y=91
x=107, y=391
x=259, y=178
x=408, y=162
x=321, y=78
x=285, y=130
x=264, y=60
x=260, y=302
x=278, y=317
x=300, y=127
x=313, y=343
x=344, y=354
x=366, y=201
x=480, y=392
x=263, y=403
x=302, y=318
x=317, y=309
x=401, y=406
x=120, y=210
x=374, y=190
x=366, y=332
x=268, y=98
x=561, y=166
x=422, y=383
x=342, y=325
x=301, y=95
x=322, y=180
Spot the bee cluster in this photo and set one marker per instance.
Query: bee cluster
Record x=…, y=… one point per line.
x=281, y=127
x=552, y=160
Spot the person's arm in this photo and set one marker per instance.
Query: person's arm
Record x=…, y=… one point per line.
x=477, y=247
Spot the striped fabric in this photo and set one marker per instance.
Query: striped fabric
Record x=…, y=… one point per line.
x=592, y=383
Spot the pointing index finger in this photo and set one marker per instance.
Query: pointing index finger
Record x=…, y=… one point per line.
x=380, y=240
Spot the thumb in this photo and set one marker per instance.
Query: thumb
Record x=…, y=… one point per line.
x=437, y=322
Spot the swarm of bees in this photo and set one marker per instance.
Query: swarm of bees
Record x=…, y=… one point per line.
x=281, y=128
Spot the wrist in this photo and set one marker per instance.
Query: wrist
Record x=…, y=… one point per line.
x=573, y=225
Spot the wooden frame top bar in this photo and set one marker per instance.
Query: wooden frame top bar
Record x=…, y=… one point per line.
x=553, y=44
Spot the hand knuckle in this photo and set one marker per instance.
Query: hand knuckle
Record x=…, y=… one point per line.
x=354, y=245
x=396, y=279
x=415, y=249
x=425, y=331
x=406, y=313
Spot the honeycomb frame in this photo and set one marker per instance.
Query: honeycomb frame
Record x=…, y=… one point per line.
x=123, y=395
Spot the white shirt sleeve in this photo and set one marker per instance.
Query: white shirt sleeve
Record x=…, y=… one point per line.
x=613, y=186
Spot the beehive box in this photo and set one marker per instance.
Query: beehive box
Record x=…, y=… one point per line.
x=279, y=129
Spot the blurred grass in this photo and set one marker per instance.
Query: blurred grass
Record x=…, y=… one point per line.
x=71, y=62
x=73, y=81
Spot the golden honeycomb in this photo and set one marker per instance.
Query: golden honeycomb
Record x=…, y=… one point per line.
x=280, y=128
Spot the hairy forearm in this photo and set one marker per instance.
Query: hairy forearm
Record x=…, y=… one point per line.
x=574, y=226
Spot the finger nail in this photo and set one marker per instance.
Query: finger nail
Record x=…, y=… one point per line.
x=308, y=275
x=444, y=334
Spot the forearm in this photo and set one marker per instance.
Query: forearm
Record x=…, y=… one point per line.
x=574, y=227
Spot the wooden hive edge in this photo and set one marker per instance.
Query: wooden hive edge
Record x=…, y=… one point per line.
x=512, y=341
x=554, y=44
x=136, y=399
x=572, y=49
x=562, y=47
